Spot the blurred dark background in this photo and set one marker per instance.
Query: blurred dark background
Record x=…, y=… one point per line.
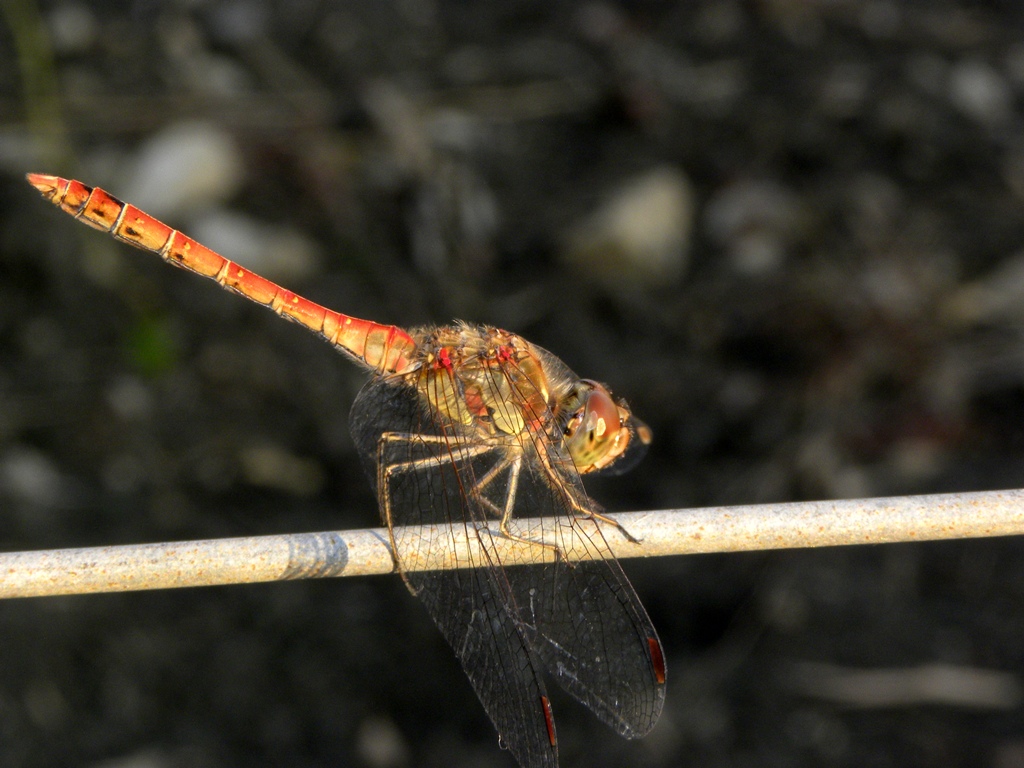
x=790, y=233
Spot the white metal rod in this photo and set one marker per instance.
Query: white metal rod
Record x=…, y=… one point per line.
x=364, y=552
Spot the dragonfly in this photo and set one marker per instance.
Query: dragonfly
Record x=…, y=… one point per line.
x=461, y=429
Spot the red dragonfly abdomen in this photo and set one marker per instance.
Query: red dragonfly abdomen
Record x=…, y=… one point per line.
x=384, y=348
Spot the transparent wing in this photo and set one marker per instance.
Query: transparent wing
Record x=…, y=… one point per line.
x=596, y=640
x=582, y=621
x=471, y=606
x=590, y=627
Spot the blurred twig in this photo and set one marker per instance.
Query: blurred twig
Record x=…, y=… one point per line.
x=363, y=552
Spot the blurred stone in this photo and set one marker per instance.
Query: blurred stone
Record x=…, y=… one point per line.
x=198, y=66
x=30, y=476
x=398, y=118
x=639, y=236
x=997, y=296
x=129, y=398
x=380, y=744
x=275, y=251
x=271, y=466
x=455, y=130
x=756, y=221
x=240, y=21
x=980, y=92
x=741, y=393
x=221, y=77
x=185, y=167
x=906, y=287
x=849, y=482
x=916, y=459
x=821, y=464
x=784, y=608
x=957, y=686
x=46, y=705
x=73, y=28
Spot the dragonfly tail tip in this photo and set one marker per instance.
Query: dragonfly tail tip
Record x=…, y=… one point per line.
x=42, y=182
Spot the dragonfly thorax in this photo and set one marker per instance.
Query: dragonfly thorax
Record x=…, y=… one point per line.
x=484, y=378
x=500, y=385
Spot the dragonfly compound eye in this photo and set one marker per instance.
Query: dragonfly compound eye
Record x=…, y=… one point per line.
x=595, y=431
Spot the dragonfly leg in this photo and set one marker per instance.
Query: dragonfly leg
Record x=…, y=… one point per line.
x=579, y=509
x=582, y=511
x=503, y=515
x=385, y=473
x=611, y=521
x=461, y=452
x=506, y=513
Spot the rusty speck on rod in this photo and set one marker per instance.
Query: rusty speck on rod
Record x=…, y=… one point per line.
x=365, y=552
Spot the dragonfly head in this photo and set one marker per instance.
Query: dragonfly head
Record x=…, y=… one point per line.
x=602, y=434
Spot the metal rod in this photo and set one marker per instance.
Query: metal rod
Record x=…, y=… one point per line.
x=364, y=552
